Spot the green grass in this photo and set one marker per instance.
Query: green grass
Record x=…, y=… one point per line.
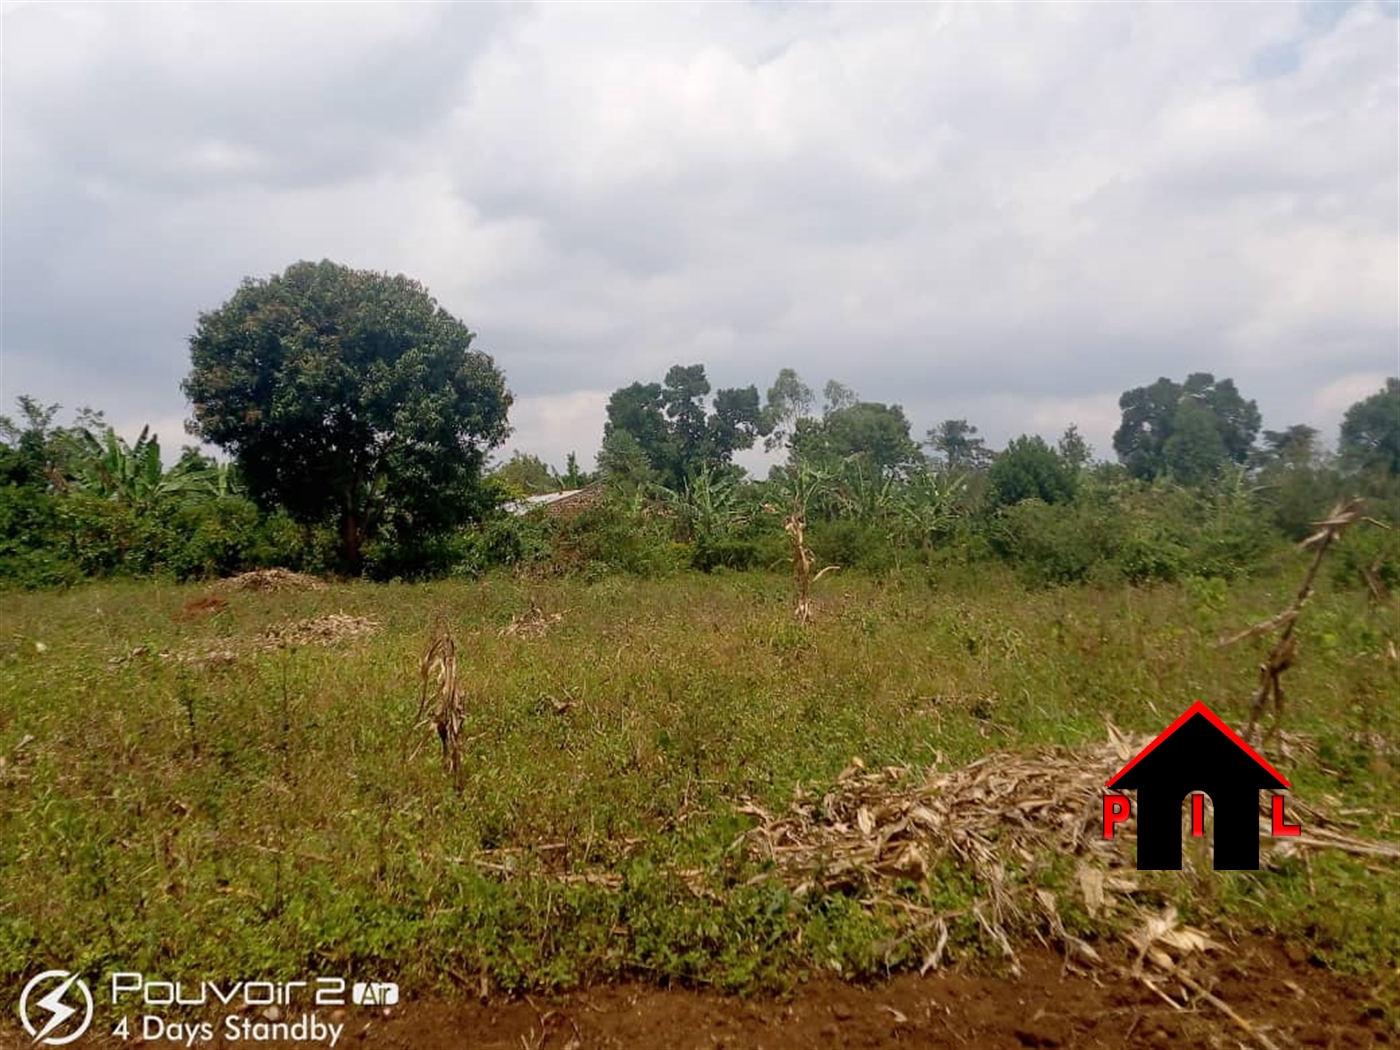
x=261, y=820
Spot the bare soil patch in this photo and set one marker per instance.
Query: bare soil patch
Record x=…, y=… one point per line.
x=1284, y=998
x=201, y=609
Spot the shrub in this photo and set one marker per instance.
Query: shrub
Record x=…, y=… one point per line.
x=230, y=535
x=852, y=545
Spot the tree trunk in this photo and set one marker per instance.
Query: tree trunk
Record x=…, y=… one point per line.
x=351, y=541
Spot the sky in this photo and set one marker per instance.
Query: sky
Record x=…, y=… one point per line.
x=1009, y=213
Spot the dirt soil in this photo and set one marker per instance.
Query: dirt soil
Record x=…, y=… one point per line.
x=1276, y=992
x=1283, y=999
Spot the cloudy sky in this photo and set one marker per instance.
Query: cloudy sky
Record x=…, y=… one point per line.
x=1009, y=213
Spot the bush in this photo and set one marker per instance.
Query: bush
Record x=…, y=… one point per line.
x=1362, y=547
x=31, y=555
x=230, y=535
x=851, y=545
x=612, y=538
x=729, y=552
x=106, y=538
x=1054, y=544
x=505, y=541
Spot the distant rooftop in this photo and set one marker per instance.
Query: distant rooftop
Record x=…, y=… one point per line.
x=529, y=503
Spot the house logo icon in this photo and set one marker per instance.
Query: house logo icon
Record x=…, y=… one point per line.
x=1197, y=753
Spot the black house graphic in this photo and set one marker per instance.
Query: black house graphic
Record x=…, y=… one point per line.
x=1198, y=752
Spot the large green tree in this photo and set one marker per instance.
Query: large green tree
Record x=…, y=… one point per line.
x=527, y=475
x=1030, y=469
x=349, y=397
x=789, y=399
x=675, y=431
x=1370, y=438
x=1188, y=430
x=877, y=434
x=956, y=441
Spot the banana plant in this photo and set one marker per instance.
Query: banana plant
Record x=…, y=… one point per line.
x=707, y=506
x=105, y=465
x=929, y=506
x=865, y=495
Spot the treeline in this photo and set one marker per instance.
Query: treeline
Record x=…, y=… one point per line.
x=77, y=502
x=359, y=420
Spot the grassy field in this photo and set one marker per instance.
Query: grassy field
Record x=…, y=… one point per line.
x=258, y=814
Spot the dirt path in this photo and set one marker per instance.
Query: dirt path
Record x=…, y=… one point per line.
x=1285, y=999
x=1289, y=1002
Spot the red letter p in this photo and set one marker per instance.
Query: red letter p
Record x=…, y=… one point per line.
x=1116, y=809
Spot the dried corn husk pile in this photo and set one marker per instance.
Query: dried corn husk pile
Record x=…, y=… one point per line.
x=319, y=630
x=331, y=629
x=271, y=580
x=533, y=624
x=876, y=828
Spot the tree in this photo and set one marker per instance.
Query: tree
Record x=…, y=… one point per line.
x=351, y=397
x=671, y=426
x=1196, y=449
x=1370, y=438
x=789, y=399
x=876, y=433
x=1152, y=416
x=683, y=397
x=1073, y=449
x=624, y=464
x=29, y=448
x=1291, y=449
x=957, y=442
x=735, y=425
x=1030, y=469
x=838, y=396
x=574, y=478
x=528, y=475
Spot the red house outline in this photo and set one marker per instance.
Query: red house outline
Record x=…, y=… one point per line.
x=1200, y=708
x=1198, y=752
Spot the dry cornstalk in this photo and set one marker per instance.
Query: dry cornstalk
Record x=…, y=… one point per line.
x=440, y=702
x=1285, y=651
x=802, y=562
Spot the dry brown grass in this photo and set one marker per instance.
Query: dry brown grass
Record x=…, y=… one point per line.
x=532, y=624
x=273, y=580
x=330, y=629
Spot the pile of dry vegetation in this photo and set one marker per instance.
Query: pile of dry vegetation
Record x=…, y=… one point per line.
x=999, y=819
x=274, y=580
x=330, y=629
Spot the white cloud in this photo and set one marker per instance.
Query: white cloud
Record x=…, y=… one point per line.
x=1007, y=213
x=1340, y=394
x=550, y=426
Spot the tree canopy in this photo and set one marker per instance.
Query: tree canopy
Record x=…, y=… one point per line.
x=1030, y=469
x=1187, y=430
x=348, y=396
x=956, y=441
x=527, y=475
x=1370, y=438
x=876, y=433
x=671, y=434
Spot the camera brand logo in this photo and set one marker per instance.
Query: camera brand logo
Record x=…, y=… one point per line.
x=53, y=1010
x=1198, y=752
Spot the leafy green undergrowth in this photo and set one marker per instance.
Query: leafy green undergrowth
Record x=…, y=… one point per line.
x=263, y=818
